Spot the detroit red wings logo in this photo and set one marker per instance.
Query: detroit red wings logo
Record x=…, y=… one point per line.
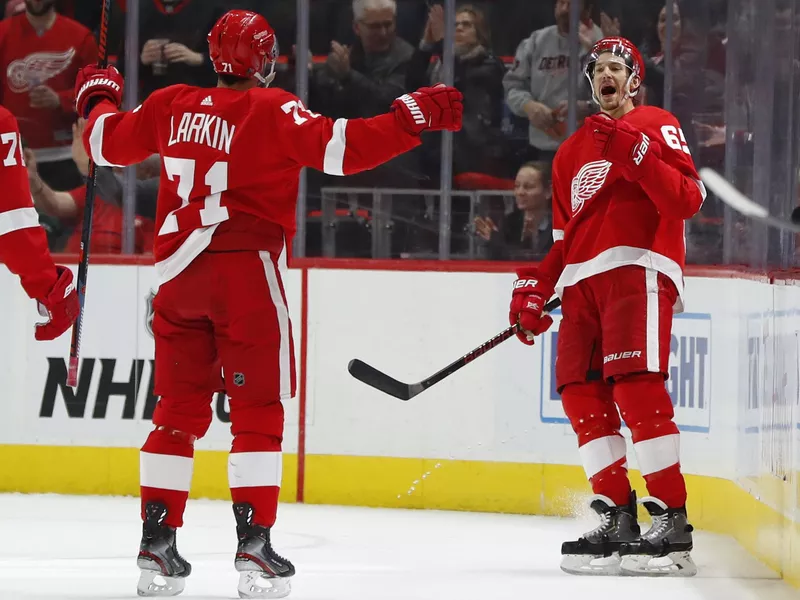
x=35, y=69
x=587, y=182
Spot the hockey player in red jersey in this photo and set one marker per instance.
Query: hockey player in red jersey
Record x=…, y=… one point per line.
x=623, y=184
x=23, y=243
x=226, y=214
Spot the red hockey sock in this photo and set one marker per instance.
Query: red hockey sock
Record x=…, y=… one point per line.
x=594, y=418
x=647, y=409
x=254, y=474
x=166, y=462
x=613, y=482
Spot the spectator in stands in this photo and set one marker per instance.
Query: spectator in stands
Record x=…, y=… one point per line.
x=526, y=233
x=40, y=54
x=696, y=89
x=537, y=84
x=69, y=206
x=173, y=46
x=363, y=80
x=478, y=74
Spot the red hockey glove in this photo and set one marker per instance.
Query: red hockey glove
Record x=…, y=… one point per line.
x=527, y=303
x=94, y=84
x=430, y=108
x=621, y=144
x=61, y=305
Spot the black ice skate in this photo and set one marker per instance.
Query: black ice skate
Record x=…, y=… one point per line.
x=597, y=552
x=164, y=571
x=663, y=550
x=262, y=573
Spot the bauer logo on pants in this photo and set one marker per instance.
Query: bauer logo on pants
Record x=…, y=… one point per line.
x=689, y=383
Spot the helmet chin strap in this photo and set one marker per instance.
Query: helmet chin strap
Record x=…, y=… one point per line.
x=264, y=81
x=627, y=88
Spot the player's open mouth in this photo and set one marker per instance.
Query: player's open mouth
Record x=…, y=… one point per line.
x=608, y=90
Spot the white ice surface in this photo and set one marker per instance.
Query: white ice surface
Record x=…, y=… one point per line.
x=62, y=547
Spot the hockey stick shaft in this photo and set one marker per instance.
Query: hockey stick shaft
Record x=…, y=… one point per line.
x=481, y=350
x=88, y=216
x=404, y=391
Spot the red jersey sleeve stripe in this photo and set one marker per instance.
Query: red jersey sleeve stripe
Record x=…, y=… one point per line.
x=333, y=162
x=19, y=218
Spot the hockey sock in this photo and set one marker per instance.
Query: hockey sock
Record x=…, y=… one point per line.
x=647, y=409
x=254, y=473
x=595, y=419
x=166, y=462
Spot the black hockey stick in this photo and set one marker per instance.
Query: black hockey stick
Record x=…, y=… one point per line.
x=405, y=391
x=88, y=215
x=744, y=205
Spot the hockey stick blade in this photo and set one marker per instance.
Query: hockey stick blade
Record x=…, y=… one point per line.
x=405, y=391
x=741, y=203
x=380, y=381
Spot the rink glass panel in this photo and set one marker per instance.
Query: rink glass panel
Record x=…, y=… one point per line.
x=732, y=81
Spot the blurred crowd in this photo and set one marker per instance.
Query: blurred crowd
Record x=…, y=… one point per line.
x=511, y=63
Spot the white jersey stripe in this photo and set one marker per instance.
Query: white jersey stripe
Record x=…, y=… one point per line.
x=195, y=243
x=659, y=453
x=333, y=163
x=165, y=471
x=274, y=274
x=652, y=349
x=255, y=469
x=19, y=218
x=96, y=142
x=601, y=453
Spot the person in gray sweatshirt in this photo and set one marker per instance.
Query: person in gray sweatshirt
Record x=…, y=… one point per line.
x=537, y=85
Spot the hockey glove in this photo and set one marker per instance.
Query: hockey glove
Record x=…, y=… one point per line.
x=430, y=108
x=621, y=144
x=61, y=305
x=94, y=84
x=528, y=297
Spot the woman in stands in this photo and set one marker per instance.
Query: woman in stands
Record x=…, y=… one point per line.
x=526, y=233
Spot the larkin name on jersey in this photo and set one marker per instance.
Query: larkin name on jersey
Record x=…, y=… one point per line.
x=199, y=128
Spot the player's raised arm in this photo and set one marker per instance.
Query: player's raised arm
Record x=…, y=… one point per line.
x=23, y=243
x=663, y=167
x=113, y=138
x=347, y=146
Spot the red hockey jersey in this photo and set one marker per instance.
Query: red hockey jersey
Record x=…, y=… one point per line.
x=602, y=221
x=52, y=59
x=231, y=161
x=23, y=243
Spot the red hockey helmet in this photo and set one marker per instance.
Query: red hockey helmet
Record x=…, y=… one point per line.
x=627, y=51
x=243, y=44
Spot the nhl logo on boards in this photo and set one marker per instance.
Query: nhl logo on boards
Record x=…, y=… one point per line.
x=588, y=182
x=238, y=379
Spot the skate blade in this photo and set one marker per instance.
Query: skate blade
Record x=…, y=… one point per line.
x=675, y=564
x=257, y=584
x=587, y=564
x=152, y=584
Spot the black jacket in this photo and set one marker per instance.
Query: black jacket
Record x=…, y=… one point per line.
x=189, y=26
x=479, y=146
